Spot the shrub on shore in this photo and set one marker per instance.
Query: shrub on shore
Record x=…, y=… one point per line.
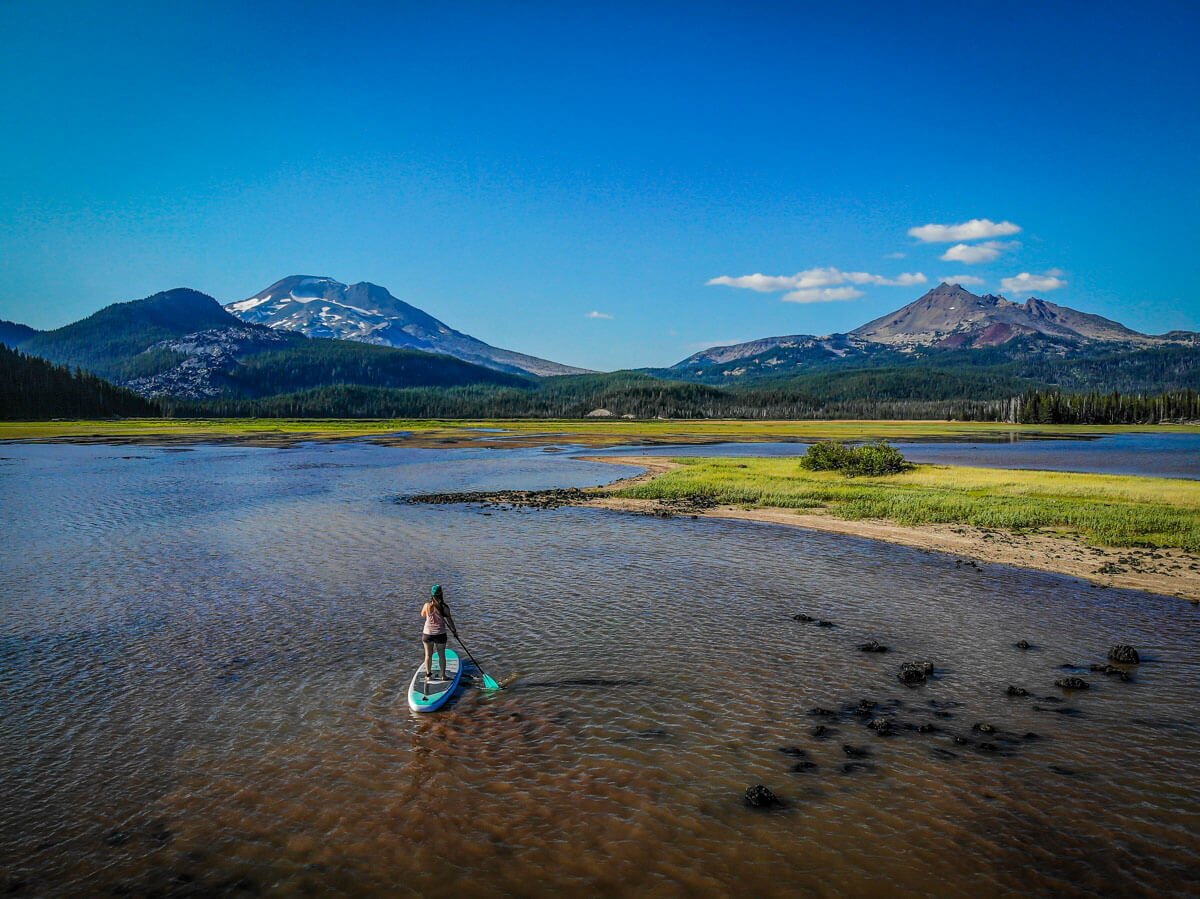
x=868, y=460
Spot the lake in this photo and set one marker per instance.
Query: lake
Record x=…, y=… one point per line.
x=204, y=654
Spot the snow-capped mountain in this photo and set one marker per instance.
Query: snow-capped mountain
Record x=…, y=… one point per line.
x=323, y=307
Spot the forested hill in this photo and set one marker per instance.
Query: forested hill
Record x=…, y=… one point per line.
x=12, y=334
x=105, y=341
x=32, y=388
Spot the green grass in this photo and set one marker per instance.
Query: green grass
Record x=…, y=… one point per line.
x=591, y=431
x=1107, y=510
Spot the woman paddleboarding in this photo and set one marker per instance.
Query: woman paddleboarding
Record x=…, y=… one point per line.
x=433, y=635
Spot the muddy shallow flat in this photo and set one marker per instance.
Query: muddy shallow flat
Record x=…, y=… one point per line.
x=203, y=659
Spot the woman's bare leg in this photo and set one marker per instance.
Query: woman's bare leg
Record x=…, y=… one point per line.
x=428, y=657
x=442, y=657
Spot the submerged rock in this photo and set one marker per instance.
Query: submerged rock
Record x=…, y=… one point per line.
x=880, y=725
x=1022, y=644
x=1072, y=683
x=1112, y=671
x=915, y=673
x=794, y=750
x=1016, y=691
x=758, y=796
x=983, y=727
x=1124, y=654
x=818, y=712
x=855, y=752
x=872, y=646
x=802, y=618
x=821, y=732
x=864, y=709
x=804, y=765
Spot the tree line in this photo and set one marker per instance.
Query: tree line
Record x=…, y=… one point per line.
x=1095, y=408
x=32, y=388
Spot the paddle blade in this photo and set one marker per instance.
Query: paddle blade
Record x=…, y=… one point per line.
x=490, y=682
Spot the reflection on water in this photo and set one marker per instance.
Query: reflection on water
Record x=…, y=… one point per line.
x=203, y=660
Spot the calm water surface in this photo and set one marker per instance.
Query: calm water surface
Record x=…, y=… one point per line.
x=204, y=655
x=1153, y=455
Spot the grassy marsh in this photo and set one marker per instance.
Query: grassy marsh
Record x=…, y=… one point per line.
x=1106, y=510
x=592, y=432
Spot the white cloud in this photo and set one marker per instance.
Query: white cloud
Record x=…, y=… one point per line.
x=975, y=229
x=594, y=314
x=896, y=255
x=1030, y=283
x=973, y=254
x=822, y=294
x=963, y=280
x=808, y=282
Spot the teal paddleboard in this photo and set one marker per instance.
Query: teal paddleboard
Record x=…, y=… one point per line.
x=430, y=694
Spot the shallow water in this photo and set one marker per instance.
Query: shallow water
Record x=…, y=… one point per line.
x=204, y=654
x=1152, y=455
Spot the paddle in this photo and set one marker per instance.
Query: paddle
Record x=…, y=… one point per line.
x=488, y=681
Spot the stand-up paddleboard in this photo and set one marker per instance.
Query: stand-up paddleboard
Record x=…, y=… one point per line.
x=430, y=694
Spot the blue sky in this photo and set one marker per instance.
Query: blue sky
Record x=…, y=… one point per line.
x=514, y=168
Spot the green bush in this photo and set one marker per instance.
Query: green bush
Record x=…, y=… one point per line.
x=869, y=460
x=875, y=459
x=826, y=456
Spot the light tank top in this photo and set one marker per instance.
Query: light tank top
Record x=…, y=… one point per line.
x=434, y=622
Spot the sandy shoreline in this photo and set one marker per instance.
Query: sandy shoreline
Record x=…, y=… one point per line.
x=1168, y=572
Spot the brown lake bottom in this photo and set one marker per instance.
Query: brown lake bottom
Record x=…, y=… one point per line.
x=204, y=655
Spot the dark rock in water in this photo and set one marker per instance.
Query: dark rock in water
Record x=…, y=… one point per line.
x=1112, y=671
x=1059, y=769
x=1052, y=699
x=804, y=765
x=1072, y=683
x=855, y=752
x=864, y=708
x=927, y=728
x=758, y=796
x=1030, y=735
x=818, y=712
x=880, y=725
x=914, y=674
x=1016, y=691
x=943, y=715
x=794, y=750
x=1022, y=644
x=983, y=727
x=872, y=646
x=821, y=732
x=961, y=741
x=1124, y=654
x=824, y=624
x=802, y=618
x=988, y=747
x=851, y=767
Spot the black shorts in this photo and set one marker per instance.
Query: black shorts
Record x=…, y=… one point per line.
x=439, y=639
